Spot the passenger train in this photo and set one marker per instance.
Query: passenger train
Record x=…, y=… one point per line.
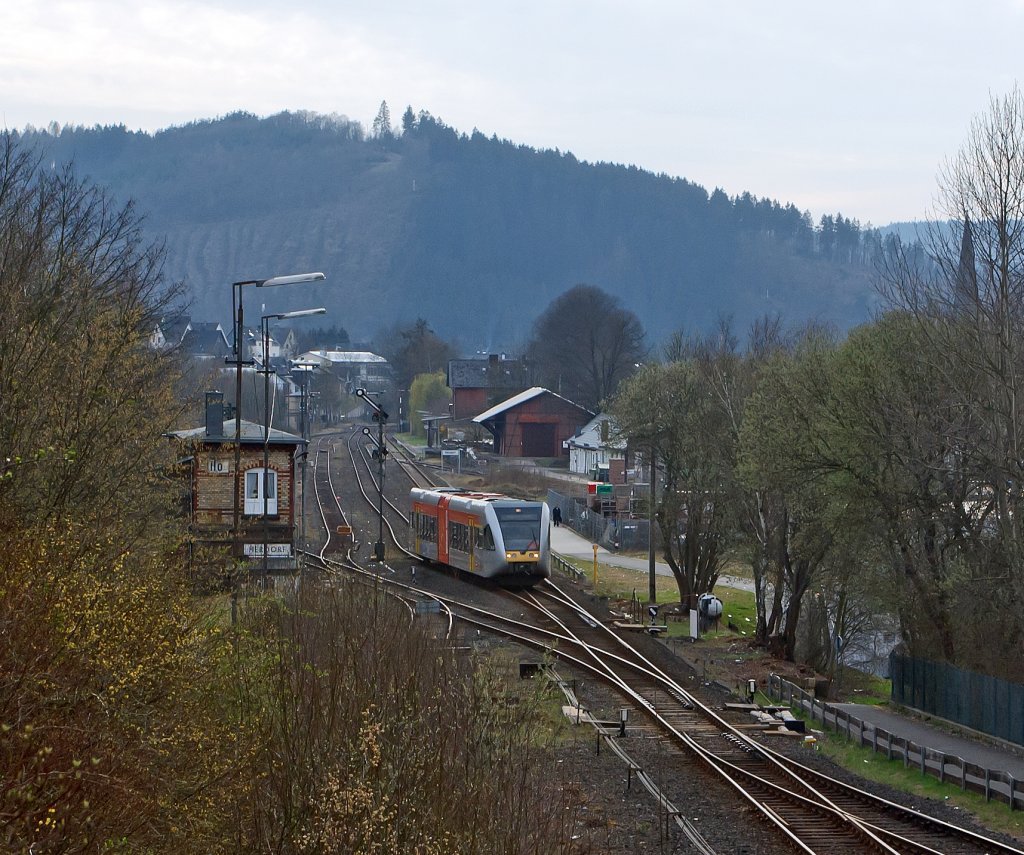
x=485, y=534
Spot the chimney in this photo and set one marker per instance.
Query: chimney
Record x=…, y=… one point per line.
x=215, y=414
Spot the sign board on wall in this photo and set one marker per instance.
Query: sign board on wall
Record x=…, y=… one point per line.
x=218, y=465
x=274, y=550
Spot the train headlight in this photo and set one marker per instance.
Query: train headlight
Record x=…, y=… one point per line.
x=510, y=556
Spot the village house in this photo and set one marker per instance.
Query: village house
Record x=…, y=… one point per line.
x=478, y=384
x=596, y=452
x=205, y=341
x=354, y=369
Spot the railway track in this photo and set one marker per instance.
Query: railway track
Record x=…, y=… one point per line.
x=810, y=811
x=418, y=474
x=350, y=451
x=817, y=812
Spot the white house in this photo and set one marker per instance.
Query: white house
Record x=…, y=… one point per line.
x=353, y=368
x=596, y=452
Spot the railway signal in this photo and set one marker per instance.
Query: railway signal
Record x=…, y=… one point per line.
x=380, y=416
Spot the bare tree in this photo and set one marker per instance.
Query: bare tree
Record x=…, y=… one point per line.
x=585, y=344
x=967, y=297
x=102, y=657
x=670, y=410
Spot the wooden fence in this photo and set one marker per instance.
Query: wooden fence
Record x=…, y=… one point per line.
x=998, y=785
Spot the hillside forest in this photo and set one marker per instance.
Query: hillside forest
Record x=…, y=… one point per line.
x=473, y=233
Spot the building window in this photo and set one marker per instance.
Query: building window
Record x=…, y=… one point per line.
x=254, y=484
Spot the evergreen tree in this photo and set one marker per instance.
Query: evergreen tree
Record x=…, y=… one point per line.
x=408, y=121
x=382, y=124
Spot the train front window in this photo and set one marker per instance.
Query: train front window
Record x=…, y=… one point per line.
x=520, y=527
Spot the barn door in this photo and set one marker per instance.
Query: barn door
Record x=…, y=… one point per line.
x=539, y=441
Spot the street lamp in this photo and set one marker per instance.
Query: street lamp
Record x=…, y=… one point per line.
x=236, y=316
x=265, y=321
x=379, y=416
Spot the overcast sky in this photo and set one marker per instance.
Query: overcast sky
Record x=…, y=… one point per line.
x=847, y=107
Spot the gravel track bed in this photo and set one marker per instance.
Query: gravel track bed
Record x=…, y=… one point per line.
x=617, y=818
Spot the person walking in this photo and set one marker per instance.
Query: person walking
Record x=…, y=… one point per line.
x=556, y=516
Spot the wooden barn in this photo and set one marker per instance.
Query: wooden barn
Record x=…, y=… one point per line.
x=209, y=462
x=534, y=423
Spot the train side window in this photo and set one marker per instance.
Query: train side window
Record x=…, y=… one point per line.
x=486, y=538
x=458, y=536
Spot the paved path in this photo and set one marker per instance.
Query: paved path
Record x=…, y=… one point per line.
x=986, y=755
x=569, y=544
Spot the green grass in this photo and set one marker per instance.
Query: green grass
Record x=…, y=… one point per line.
x=875, y=767
x=621, y=583
x=412, y=439
x=860, y=688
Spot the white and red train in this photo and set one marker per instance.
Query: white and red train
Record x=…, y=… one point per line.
x=485, y=534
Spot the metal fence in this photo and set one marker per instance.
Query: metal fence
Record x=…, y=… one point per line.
x=561, y=565
x=978, y=701
x=993, y=784
x=612, y=532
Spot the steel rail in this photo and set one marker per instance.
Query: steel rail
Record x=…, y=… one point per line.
x=700, y=843
x=649, y=667
x=527, y=634
x=798, y=772
x=545, y=643
x=873, y=834
x=369, y=499
x=408, y=463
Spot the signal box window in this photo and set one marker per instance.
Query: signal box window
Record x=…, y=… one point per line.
x=254, y=484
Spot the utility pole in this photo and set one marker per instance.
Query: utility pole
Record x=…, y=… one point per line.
x=267, y=481
x=652, y=580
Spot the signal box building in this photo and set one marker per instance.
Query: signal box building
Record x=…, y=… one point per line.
x=209, y=458
x=534, y=423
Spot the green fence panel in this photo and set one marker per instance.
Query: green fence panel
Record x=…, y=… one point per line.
x=978, y=701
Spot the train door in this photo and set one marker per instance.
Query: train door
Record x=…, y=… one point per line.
x=442, y=529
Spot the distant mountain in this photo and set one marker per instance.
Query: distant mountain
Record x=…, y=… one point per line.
x=476, y=235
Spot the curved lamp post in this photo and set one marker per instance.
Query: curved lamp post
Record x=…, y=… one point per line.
x=265, y=321
x=236, y=316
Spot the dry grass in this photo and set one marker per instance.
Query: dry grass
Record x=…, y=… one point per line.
x=378, y=737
